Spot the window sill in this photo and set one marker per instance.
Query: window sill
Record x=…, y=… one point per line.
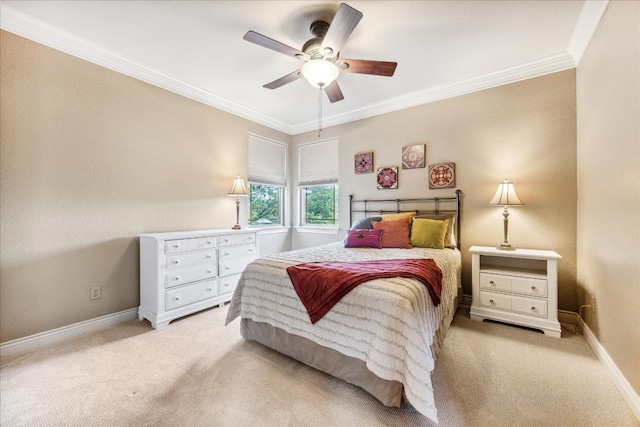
x=317, y=230
x=270, y=230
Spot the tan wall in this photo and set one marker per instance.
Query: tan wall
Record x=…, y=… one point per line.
x=608, y=111
x=524, y=131
x=90, y=158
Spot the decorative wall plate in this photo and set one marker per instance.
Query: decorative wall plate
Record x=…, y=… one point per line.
x=442, y=175
x=388, y=177
x=363, y=162
x=413, y=156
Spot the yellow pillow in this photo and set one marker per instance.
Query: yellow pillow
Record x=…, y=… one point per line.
x=396, y=216
x=428, y=233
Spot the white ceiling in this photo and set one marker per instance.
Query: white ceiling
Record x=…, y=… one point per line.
x=195, y=48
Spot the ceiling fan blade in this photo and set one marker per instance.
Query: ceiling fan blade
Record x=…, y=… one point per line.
x=284, y=80
x=333, y=92
x=362, y=66
x=272, y=44
x=343, y=24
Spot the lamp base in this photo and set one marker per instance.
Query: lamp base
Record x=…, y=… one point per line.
x=236, y=227
x=506, y=247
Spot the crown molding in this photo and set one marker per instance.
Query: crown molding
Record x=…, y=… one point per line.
x=34, y=29
x=26, y=26
x=588, y=21
x=552, y=64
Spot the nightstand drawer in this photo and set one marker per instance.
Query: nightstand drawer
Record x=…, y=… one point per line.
x=530, y=307
x=488, y=299
x=529, y=286
x=185, y=295
x=495, y=281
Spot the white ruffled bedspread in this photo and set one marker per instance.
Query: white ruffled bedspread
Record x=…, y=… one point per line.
x=390, y=324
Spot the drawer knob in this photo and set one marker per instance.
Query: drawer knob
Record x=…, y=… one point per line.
x=209, y=271
x=209, y=242
x=491, y=282
x=533, y=288
x=176, y=246
x=209, y=256
x=533, y=309
x=177, y=298
x=209, y=289
x=176, y=278
x=491, y=301
x=176, y=262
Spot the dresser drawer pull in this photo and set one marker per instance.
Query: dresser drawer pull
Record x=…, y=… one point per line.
x=177, y=298
x=533, y=288
x=209, y=271
x=533, y=308
x=491, y=301
x=209, y=256
x=209, y=289
x=176, y=262
x=176, y=278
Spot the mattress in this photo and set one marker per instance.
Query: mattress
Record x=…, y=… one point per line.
x=388, y=327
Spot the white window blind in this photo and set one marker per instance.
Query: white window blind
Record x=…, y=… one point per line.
x=267, y=161
x=318, y=163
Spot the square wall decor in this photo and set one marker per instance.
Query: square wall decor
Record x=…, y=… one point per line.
x=363, y=162
x=442, y=175
x=388, y=178
x=413, y=156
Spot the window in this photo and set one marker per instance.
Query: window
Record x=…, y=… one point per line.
x=320, y=205
x=318, y=182
x=267, y=180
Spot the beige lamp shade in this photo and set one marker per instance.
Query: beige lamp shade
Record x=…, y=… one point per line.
x=238, y=188
x=505, y=195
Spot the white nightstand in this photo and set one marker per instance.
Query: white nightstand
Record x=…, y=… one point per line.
x=519, y=287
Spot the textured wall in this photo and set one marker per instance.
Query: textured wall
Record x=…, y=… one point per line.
x=89, y=159
x=608, y=94
x=524, y=131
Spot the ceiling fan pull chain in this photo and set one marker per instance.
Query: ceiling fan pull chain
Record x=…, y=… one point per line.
x=320, y=109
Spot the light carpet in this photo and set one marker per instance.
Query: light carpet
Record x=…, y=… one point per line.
x=197, y=372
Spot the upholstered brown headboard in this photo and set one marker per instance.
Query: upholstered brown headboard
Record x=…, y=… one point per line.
x=433, y=205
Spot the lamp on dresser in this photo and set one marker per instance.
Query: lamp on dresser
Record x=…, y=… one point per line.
x=237, y=189
x=506, y=196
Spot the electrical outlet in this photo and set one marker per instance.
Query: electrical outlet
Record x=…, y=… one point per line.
x=593, y=303
x=95, y=292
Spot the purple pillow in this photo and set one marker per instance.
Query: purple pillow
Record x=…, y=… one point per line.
x=361, y=238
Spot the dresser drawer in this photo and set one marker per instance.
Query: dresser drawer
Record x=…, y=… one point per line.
x=227, y=285
x=237, y=239
x=192, y=259
x=185, y=245
x=185, y=295
x=495, y=281
x=190, y=275
x=234, y=259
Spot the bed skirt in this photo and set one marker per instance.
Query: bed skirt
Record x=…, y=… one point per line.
x=332, y=362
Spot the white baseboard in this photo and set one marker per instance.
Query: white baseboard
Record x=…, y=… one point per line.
x=60, y=334
x=628, y=393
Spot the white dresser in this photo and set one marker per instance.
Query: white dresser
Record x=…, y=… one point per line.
x=185, y=272
x=519, y=287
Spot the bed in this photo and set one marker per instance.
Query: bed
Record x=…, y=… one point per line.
x=384, y=334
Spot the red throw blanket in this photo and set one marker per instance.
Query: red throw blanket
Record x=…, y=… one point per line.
x=320, y=285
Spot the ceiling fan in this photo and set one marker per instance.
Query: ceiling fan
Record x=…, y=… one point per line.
x=321, y=54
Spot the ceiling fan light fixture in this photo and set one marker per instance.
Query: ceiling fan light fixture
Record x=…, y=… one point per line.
x=319, y=72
